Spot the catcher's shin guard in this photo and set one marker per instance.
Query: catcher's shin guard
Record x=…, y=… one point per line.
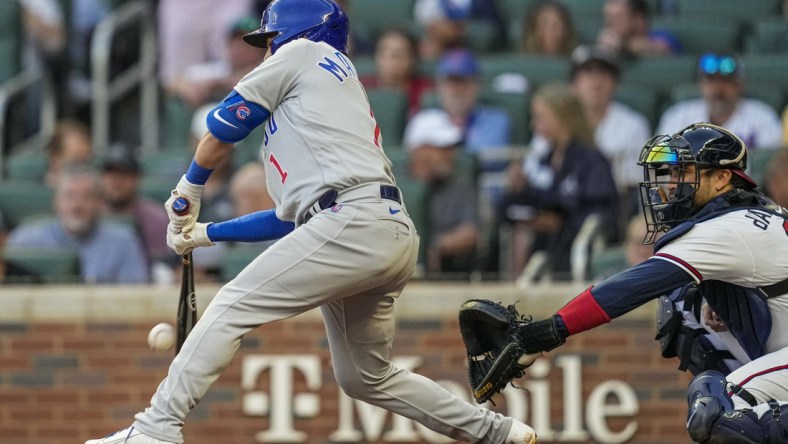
x=711, y=418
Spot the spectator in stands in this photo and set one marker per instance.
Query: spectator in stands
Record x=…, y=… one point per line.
x=70, y=143
x=397, y=67
x=444, y=23
x=453, y=224
x=248, y=191
x=108, y=252
x=777, y=178
x=619, y=130
x=722, y=102
x=627, y=31
x=58, y=42
x=209, y=81
x=552, y=193
x=548, y=29
x=120, y=180
x=186, y=38
x=458, y=85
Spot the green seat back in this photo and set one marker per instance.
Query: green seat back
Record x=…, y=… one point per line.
x=417, y=201
x=369, y=18
x=768, y=36
x=156, y=188
x=237, y=257
x=660, y=72
x=642, y=98
x=537, y=68
x=766, y=68
x=770, y=94
x=699, y=34
x=731, y=9
x=41, y=265
x=20, y=199
x=390, y=108
x=518, y=107
x=10, y=39
x=28, y=165
x=607, y=262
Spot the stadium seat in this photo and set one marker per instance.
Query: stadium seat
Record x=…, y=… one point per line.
x=766, y=68
x=660, y=72
x=585, y=8
x=731, y=9
x=417, y=201
x=518, y=106
x=248, y=150
x=237, y=257
x=177, y=122
x=699, y=34
x=10, y=39
x=365, y=65
x=514, y=9
x=156, y=188
x=171, y=163
x=41, y=265
x=607, y=262
x=369, y=18
x=538, y=69
x=390, y=108
x=768, y=36
x=587, y=28
x=26, y=165
x=20, y=199
x=770, y=94
x=758, y=163
x=482, y=36
x=642, y=98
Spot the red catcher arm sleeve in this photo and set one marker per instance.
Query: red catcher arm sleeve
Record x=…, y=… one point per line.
x=583, y=313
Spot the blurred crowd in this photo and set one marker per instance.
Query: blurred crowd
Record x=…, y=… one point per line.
x=514, y=129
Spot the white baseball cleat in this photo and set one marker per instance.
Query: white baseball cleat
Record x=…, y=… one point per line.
x=128, y=436
x=520, y=434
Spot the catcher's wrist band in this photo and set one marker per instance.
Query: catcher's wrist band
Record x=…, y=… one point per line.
x=540, y=336
x=583, y=313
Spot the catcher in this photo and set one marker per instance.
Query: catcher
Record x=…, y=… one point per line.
x=721, y=272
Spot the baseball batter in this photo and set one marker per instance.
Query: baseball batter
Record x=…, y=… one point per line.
x=347, y=243
x=723, y=264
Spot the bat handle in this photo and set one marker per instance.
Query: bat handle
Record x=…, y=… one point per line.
x=180, y=206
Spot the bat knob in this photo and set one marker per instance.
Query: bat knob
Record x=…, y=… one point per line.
x=180, y=206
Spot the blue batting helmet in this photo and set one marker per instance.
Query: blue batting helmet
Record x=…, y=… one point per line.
x=315, y=20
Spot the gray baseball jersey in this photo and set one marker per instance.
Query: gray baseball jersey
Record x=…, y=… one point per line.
x=351, y=260
x=321, y=133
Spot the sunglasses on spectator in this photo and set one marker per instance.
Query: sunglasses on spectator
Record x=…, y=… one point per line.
x=711, y=64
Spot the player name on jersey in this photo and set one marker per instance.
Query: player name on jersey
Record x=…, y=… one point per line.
x=282, y=405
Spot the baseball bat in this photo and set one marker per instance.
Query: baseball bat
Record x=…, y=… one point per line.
x=187, y=303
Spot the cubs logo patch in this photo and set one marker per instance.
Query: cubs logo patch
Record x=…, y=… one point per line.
x=336, y=208
x=241, y=110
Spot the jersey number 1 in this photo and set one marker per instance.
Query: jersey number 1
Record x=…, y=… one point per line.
x=275, y=163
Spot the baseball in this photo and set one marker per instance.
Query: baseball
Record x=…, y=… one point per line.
x=161, y=337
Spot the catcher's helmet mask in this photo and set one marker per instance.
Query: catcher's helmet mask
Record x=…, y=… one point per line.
x=288, y=20
x=668, y=189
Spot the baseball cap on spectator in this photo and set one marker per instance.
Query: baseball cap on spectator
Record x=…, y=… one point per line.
x=120, y=159
x=724, y=65
x=458, y=63
x=244, y=25
x=594, y=57
x=434, y=130
x=428, y=11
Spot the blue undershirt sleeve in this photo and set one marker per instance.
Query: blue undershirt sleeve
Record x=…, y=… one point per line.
x=253, y=227
x=632, y=288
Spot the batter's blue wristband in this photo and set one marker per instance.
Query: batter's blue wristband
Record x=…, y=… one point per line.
x=254, y=227
x=197, y=175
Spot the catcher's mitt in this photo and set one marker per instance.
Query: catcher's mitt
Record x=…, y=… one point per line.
x=495, y=355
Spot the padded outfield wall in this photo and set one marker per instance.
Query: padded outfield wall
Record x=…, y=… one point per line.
x=74, y=364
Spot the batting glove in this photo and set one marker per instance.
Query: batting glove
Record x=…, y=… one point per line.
x=187, y=240
x=191, y=193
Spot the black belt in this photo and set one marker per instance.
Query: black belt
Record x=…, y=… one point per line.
x=329, y=199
